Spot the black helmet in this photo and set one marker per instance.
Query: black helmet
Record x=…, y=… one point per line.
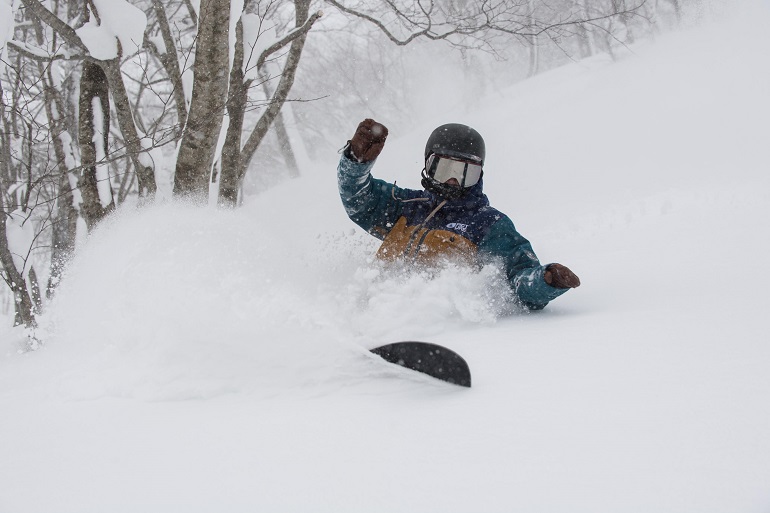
x=456, y=142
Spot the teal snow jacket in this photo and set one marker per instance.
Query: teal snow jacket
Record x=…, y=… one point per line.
x=420, y=227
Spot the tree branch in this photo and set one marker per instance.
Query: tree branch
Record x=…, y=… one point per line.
x=170, y=61
x=50, y=19
x=288, y=38
x=38, y=55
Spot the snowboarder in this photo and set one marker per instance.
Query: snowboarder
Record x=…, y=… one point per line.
x=450, y=219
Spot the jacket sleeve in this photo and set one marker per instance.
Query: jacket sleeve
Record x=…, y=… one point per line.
x=521, y=265
x=370, y=203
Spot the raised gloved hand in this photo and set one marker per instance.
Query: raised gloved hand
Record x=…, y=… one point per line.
x=368, y=141
x=559, y=276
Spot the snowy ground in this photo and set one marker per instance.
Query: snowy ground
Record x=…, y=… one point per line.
x=225, y=367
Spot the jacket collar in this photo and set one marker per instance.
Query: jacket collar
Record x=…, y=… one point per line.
x=473, y=199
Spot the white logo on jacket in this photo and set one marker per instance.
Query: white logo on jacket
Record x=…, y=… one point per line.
x=458, y=226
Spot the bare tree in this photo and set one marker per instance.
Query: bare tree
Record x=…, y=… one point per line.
x=238, y=158
x=201, y=133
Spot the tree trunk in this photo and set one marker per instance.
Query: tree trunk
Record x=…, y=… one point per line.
x=65, y=215
x=170, y=61
x=92, y=138
x=6, y=166
x=209, y=94
x=229, y=181
x=64, y=230
x=37, y=299
x=25, y=313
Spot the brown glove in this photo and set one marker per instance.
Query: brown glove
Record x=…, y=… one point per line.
x=559, y=276
x=368, y=141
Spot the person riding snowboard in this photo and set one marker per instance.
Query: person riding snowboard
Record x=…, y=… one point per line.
x=450, y=219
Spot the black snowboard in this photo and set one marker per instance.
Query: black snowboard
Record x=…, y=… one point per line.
x=431, y=359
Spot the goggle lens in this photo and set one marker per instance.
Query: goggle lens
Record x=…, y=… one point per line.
x=443, y=169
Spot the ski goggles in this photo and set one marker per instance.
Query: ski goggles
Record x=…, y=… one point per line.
x=442, y=169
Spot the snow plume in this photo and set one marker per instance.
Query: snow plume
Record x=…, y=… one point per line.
x=188, y=305
x=117, y=21
x=453, y=297
x=234, y=306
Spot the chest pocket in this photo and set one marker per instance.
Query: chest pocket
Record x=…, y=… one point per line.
x=416, y=244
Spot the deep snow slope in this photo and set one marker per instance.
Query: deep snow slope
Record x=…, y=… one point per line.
x=200, y=360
